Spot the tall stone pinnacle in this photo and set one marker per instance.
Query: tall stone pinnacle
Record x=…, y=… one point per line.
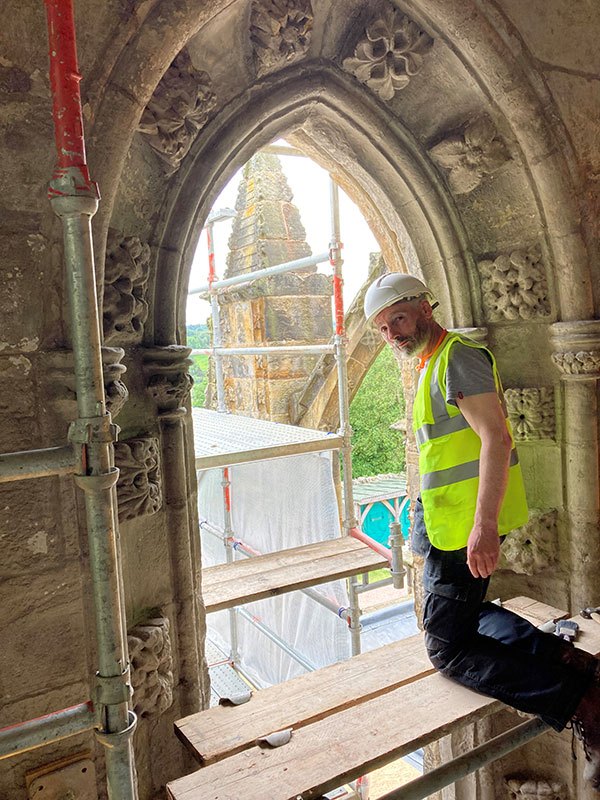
x=268, y=229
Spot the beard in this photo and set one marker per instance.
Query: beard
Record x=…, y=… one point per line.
x=411, y=346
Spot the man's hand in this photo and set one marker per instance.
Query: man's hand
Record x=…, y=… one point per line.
x=483, y=550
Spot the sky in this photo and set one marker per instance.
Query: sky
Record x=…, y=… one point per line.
x=310, y=186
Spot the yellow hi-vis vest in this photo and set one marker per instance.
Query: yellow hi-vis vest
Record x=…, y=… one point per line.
x=449, y=458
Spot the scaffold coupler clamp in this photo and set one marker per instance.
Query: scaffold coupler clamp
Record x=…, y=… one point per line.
x=397, y=567
x=114, y=690
x=567, y=629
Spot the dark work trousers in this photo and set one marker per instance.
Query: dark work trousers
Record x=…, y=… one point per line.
x=488, y=648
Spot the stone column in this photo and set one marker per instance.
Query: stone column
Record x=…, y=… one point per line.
x=577, y=356
x=169, y=383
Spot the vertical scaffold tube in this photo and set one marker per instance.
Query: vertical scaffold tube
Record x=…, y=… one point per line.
x=228, y=540
x=74, y=198
x=345, y=431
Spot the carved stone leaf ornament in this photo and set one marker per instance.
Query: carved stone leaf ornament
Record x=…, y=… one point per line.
x=531, y=413
x=151, y=661
x=533, y=547
x=390, y=53
x=178, y=109
x=535, y=789
x=514, y=286
x=139, y=489
x=280, y=31
x=580, y=363
x=478, y=152
x=125, y=308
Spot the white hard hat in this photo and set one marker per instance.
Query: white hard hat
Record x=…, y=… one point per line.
x=391, y=288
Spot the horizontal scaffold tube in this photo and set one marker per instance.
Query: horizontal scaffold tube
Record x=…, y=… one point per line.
x=384, y=551
x=469, y=762
x=250, y=277
x=25, y=736
x=316, y=349
x=274, y=637
x=36, y=463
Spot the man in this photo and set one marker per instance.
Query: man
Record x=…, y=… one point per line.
x=472, y=495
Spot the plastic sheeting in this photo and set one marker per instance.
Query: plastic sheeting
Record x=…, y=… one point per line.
x=278, y=504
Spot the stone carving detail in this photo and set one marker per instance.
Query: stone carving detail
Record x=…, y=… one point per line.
x=60, y=389
x=180, y=106
x=139, y=486
x=469, y=157
x=151, y=661
x=169, y=381
x=125, y=283
x=514, y=286
x=581, y=363
x=531, y=413
x=280, y=31
x=389, y=54
x=533, y=547
x=115, y=391
x=535, y=789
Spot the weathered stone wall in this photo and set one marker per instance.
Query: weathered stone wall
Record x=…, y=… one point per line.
x=476, y=162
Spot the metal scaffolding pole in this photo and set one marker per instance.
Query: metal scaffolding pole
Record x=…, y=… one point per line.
x=28, y=464
x=228, y=539
x=292, y=349
x=74, y=198
x=345, y=431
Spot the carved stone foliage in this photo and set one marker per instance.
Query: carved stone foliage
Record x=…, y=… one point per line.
x=60, y=381
x=280, y=31
x=125, y=283
x=535, y=789
x=151, y=660
x=531, y=413
x=514, y=286
x=533, y=547
x=390, y=53
x=580, y=363
x=468, y=157
x=169, y=380
x=139, y=489
x=180, y=106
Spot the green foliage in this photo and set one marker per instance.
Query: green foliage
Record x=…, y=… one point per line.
x=377, y=404
x=198, y=336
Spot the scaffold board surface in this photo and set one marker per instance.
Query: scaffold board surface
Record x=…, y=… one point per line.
x=222, y=439
x=220, y=732
x=338, y=745
x=228, y=585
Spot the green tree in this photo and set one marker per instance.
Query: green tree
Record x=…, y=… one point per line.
x=378, y=403
x=198, y=336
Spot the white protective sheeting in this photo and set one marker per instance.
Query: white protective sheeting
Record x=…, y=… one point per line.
x=278, y=504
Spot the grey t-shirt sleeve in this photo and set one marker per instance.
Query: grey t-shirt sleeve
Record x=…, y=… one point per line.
x=469, y=372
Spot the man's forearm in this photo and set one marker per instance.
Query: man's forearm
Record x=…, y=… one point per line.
x=494, y=462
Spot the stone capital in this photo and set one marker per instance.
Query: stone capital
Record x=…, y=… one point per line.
x=168, y=380
x=576, y=349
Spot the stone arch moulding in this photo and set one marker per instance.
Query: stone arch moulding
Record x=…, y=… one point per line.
x=483, y=45
x=367, y=135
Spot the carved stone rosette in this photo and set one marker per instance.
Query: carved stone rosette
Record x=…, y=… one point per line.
x=535, y=789
x=577, y=349
x=280, y=32
x=125, y=308
x=139, y=490
x=151, y=660
x=390, y=53
x=531, y=413
x=180, y=106
x=514, y=286
x=479, y=151
x=168, y=379
x=533, y=547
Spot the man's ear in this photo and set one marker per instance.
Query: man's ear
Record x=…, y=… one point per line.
x=426, y=309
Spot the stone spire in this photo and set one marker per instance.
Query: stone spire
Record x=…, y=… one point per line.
x=293, y=308
x=267, y=230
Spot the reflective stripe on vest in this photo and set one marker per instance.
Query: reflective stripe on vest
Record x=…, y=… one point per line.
x=449, y=459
